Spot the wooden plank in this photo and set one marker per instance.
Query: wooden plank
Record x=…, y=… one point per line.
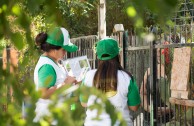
x=183, y=102
x=180, y=94
x=180, y=68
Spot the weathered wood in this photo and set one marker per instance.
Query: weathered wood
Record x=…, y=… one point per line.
x=183, y=102
x=10, y=62
x=102, y=19
x=180, y=68
x=180, y=94
x=121, y=46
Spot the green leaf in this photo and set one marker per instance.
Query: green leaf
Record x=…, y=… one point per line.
x=172, y=3
x=17, y=40
x=131, y=11
x=16, y=10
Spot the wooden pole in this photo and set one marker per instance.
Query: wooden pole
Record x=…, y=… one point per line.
x=6, y=65
x=10, y=62
x=119, y=29
x=102, y=19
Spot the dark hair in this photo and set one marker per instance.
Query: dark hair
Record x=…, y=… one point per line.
x=105, y=77
x=40, y=41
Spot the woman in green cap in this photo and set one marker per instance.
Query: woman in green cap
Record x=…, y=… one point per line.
x=118, y=86
x=49, y=76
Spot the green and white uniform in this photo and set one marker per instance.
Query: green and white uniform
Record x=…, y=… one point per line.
x=127, y=95
x=47, y=74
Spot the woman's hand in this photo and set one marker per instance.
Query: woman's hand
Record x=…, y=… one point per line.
x=70, y=80
x=78, y=82
x=163, y=110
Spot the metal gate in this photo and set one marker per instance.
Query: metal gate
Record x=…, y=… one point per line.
x=141, y=55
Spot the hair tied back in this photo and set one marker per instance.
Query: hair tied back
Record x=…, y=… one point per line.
x=41, y=38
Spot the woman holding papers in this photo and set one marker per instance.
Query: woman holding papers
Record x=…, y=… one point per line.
x=118, y=85
x=48, y=74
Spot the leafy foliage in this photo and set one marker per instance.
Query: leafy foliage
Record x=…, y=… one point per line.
x=19, y=23
x=22, y=20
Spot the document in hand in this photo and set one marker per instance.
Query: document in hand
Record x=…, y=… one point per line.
x=77, y=67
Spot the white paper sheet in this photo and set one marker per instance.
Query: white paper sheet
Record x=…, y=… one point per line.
x=77, y=66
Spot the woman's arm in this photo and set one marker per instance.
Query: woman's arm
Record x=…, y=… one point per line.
x=83, y=98
x=134, y=99
x=84, y=104
x=133, y=108
x=47, y=92
x=143, y=91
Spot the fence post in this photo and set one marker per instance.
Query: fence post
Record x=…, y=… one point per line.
x=125, y=45
x=119, y=29
x=153, y=79
x=10, y=62
x=102, y=19
x=6, y=66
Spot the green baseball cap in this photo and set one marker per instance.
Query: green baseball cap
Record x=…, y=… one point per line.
x=107, y=49
x=60, y=37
